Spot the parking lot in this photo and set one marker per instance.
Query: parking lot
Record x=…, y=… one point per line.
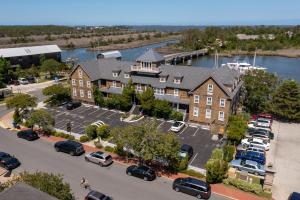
x=80, y=117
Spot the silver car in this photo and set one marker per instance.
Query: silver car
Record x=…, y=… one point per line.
x=248, y=166
x=99, y=158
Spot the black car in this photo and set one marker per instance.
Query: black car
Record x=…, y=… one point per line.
x=28, y=135
x=262, y=132
x=71, y=147
x=186, y=150
x=72, y=105
x=192, y=186
x=143, y=172
x=294, y=196
x=8, y=162
x=95, y=195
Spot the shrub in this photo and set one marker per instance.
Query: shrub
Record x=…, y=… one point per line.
x=64, y=135
x=84, y=138
x=103, y=131
x=228, y=152
x=162, y=109
x=109, y=149
x=17, y=117
x=183, y=164
x=91, y=131
x=177, y=116
x=193, y=173
x=98, y=145
x=243, y=185
x=216, y=167
x=120, y=151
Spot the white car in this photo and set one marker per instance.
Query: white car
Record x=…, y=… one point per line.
x=177, y=126
x=256, y=142
x=99, y=158
x=23, y=81
x=263, y=122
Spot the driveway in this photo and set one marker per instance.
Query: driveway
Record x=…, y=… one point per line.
x=287, y=159
x=40, y=155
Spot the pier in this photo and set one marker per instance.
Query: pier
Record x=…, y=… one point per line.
x=177, y=58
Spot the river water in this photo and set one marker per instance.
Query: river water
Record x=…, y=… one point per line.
x=287, y=68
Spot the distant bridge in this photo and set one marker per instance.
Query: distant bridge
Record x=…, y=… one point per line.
x=184, y=56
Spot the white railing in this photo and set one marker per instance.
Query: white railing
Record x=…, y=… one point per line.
x=139, y=68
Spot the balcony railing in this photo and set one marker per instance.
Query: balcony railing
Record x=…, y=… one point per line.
x=138, y=68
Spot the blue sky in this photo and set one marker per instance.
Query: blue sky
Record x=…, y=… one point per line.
x=150, y=12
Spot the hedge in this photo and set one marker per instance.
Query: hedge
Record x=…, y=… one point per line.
x=243, y=185
x=64, y=135
x=193, y=173
x=109, y=149
x=84, y=138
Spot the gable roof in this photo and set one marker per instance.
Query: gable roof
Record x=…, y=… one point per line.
x=28, y=51
x=150, y=56
x=22, y=191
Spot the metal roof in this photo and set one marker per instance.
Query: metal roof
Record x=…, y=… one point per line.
x=111, y=54
x=150, y=56
x=28, y=51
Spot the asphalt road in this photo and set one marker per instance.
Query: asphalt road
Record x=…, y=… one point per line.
x=40, y=155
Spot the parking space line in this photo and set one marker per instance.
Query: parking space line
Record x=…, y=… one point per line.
x=193, y=158
x=105, y=111
x=196, y=131
x=93, y=112
x=183, y=130
x=108, y=117
x=161, y=124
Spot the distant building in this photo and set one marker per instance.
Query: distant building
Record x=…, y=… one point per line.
x=22, y=191
x=26, y=56
x=207, y=95
x=110, y=54
x=255, y=37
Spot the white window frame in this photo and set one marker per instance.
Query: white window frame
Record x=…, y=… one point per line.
x=210, y=88
x=114, y=84
x=81, y=93
x=177, y=80
x=126, y=75
x=80, y=73
x=88, y=84
x=115, y=74
x=138, y=87
x=74, y=92
x=159, y=91
x=196, y=112
x=222, y=103
x=176, y=92
x=196, y=98
x=221, y=117
x=81, y=83
x=209, y=103
x=208, y=113
x=89, y=94
x=162, y=79
x=74, y=82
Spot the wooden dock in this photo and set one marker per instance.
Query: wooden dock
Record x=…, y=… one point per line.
x=177, y=58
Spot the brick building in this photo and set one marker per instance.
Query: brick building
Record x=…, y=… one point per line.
x=207, y=95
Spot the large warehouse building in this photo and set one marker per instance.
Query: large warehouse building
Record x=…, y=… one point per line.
x=26, y=56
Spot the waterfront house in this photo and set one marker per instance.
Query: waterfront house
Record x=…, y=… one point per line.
x=207, y=95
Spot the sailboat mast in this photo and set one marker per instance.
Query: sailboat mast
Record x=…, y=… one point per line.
x=254, y=59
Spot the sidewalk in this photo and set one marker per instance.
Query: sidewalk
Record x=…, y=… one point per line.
x=220, y=189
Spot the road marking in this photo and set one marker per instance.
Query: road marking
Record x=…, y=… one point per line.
x=105, y=111
x=193, y=158
x=196, y=131
x=160, y=124
x=93, y=112
x=183, y=130
x=108, y=117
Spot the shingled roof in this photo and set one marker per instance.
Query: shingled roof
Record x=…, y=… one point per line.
x=150, y=56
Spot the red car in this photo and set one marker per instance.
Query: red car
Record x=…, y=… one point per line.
x=262, y=115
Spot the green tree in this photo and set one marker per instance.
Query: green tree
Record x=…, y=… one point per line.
x=57, y=94
x=91, y=131
x=236, y=128
x=98, y=96
x=216, y=167
x=129, y=92
x=4, y=72
x=162, y=109
x=52, y=184
x=51, y=66
x=41, y=118
x=146, y=100
x=103, y=131
x=285, y=103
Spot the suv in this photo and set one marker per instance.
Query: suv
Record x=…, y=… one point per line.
x=69, y=146
x=248, y=166
x=28, y=135
x=95, y=195
x=192, y=186
x=186, y=151
x=250, y=155
x=177, y=126
x=23, y=81
x=99, y=157
x=143, y=172
x=8, y=162
x=255, y=142
x=294, y=196
x=72, y=105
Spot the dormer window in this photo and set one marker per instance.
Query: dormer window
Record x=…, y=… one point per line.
x=126, y=75
x=115, y=74
x=177, y=80
x=162, y=79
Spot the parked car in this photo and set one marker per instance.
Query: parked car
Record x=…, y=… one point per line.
x=192, y=186
x=68, y=146
x=29, y=135
x=72, y=105
x=99, y=157
x=23, y=81
x=31, y=79
x=248, y=166
x=263, y=122
x=177, y=126
x=14, y=82
x=250, y=155
x=255, y=149
x=186, y=151
x=294, y=196
x=256, y=143
x=143, y=172
x=262, y=115
x=8, y=162
x=262, y=133
x=95, y=195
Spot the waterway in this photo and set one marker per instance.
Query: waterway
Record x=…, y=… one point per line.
x=287, y=68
